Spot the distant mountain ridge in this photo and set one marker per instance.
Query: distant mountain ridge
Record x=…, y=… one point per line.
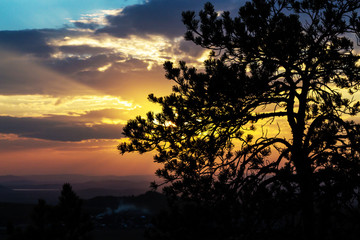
x=29, y=188
x=73, y=178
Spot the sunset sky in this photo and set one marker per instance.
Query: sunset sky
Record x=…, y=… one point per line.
x=73, y=72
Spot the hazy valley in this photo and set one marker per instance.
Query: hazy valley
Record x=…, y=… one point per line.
x=118, y=205
x=28, y=189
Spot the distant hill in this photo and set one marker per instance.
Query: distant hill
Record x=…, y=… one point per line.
x=72, y=178
x=28, y=189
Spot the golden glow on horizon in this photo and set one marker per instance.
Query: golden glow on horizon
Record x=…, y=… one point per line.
x=113, y=121
x=92, y=157
x=41, y=105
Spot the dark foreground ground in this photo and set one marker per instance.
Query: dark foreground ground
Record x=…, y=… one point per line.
x=113, y=217
x=106, y=234
x=112, y=234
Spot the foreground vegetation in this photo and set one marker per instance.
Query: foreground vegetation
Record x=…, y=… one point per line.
x=103, y=217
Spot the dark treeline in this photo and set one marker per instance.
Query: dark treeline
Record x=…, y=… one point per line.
x=64, y=221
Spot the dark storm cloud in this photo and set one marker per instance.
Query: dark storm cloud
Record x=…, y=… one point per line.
x=158, y=17
x=33, y=41
x=51, y=129
x=21, y=144
x=154, y=17
x=132, y=63
x=23, y=75
x=75, y=64
x=26, y=41
x=83, y=25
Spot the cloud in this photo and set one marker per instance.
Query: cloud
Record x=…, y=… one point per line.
x=63, y=62
x=14, y=143
x=66, y=93
x=78, y=63
x=95, y=20
x=130, y=83
x=26, y=41
x=35, y=42
x=150, y=47
x=126, y=66
x=159, y=17
x=67, y=62
x=45, y=105
x=190, y=49
x=153, y=18
x=86, y=25
x=25, y=75
x=51, y=129
x=83, y=50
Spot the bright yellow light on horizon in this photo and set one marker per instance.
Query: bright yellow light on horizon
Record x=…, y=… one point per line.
x=42, y=105
x=113, y=121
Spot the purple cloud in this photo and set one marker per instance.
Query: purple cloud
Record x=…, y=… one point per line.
x=52, y=129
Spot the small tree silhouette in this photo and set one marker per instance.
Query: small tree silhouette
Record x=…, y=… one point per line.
x=74, y=223
x=65, y=221
x=287, y=62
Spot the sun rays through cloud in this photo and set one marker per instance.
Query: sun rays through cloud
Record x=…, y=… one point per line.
x=74, y=74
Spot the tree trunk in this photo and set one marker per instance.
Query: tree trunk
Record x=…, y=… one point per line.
x=305, y=179
x=307, y=202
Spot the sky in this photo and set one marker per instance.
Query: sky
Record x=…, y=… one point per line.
x=72, y=73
